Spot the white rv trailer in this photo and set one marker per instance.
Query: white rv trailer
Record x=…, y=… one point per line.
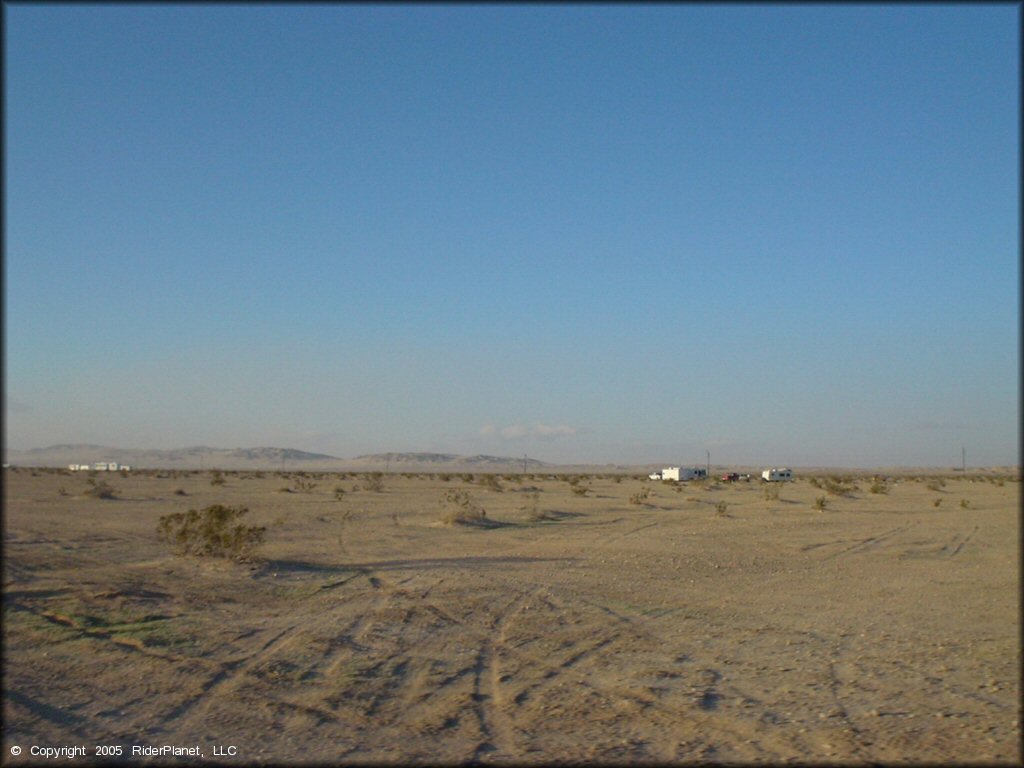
x=679, y=473
x=777, y=475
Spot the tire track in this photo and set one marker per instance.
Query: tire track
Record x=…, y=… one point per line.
x=864, y=544
x=226, y=678
x=960, y=546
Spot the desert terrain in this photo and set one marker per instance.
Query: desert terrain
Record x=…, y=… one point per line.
x=592, y=618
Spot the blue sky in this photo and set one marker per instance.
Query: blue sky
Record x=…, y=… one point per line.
x=781, y=234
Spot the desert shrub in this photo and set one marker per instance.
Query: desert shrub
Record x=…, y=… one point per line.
x=965, y=504
x=491, y=482
x=63, y=491
x=820, y=503
x=216, y=477
x=720, y=508
x=836, y=486
x=467, y=477
x=373, y=481
x=771, y=492
x=180, y=492
x=879, y=487
x=445, y=477
x=617, y=478
x=937, y=502
x=935, y=485
x=815, y=483
x=460, y=509
x=640, y=497
x=339, y=493
x=533, y=511
x=302, y=485
x=214, y=532
x=580, y=490
x=100, y=490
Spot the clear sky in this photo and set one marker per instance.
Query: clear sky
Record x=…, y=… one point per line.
x=786, y=235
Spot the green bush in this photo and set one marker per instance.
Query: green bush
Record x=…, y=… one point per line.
x=214, y=532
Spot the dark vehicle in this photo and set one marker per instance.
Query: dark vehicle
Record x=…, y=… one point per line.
x=731, y=477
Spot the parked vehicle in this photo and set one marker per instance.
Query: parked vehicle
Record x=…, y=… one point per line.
x=679, y=473
x=777, y=475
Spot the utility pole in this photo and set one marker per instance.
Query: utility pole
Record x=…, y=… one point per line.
x=387, y=464
x=708, y=469
x=963, y=459
x=524, y=463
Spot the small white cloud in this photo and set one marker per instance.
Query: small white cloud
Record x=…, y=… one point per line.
x=519, y=431
x=544, y=430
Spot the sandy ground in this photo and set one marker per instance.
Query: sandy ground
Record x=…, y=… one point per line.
x=883, y=628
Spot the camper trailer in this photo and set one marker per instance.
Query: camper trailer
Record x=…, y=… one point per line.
x=776, y=475
x=679, y=473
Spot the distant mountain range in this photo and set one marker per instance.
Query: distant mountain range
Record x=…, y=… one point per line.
x=445, y=460
x=205, y=457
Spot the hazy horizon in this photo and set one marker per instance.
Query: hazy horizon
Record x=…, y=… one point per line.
x=787, y=235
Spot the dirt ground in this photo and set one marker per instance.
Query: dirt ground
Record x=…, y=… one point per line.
x=597, y=626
